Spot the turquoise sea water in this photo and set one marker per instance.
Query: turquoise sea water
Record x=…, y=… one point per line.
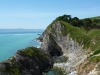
x=52, y=73
x=12, y=40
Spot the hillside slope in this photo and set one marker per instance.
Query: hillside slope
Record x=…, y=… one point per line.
x=70, y=45
x=82, y=47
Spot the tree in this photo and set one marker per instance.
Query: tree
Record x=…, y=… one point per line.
x=75, y=21
x=96, y=20
x=66, y=18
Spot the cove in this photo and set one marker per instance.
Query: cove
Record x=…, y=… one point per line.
x=52, y=73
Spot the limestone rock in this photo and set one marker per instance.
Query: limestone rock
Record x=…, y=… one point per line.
x=29, y=61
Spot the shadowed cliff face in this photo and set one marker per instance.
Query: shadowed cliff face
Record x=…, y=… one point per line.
x=51, y=46
x=81, y=47
x=29, y=61
x=58, y=42
x=55, y=42
x=50, y=43
x=60, y=38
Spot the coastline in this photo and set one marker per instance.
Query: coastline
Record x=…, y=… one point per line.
x=10, y=43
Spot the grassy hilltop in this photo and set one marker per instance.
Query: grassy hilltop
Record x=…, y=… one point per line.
x=85, y=31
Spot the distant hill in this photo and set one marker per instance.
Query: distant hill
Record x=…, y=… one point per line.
x=97, y=17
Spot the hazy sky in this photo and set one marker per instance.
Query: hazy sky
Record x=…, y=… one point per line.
x=38, y=14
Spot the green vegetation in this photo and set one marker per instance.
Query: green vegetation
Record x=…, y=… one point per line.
x=94, y=34
x=76, y=33
x=11, y=69
x=30, y=51
x=60, y=59
x=84, y=31
x=96, y=19
x=87, y=23
x=60, y=71
x=96, y=52
x=88, y=39
x=15, y=71
x=95, y=59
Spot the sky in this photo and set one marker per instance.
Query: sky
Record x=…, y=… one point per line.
x=38, y=14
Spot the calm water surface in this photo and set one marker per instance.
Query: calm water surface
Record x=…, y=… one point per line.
x=12, y=40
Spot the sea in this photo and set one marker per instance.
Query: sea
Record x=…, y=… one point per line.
x=12, y=40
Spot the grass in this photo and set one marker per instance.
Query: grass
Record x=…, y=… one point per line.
x=79, y=34
x=96, y=52
x=95, y=59
x=60, y=71
x=76, y=33
x=82, y=36
x=97, y=17
x=89, y=39
x=11, y=69
x=30, y=51
x=15, y=71
x=94, y=34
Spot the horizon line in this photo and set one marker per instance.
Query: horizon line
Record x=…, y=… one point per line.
x=20, y=28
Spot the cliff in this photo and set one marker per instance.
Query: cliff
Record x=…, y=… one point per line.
x=73, y=44
x=64, y=44
x=76, y=43
x=29, y=61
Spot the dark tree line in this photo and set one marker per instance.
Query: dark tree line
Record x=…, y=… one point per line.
x=87, y=23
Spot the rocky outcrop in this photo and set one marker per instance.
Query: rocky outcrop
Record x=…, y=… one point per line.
x=57, y=44
x=59, y=39
x=29, y=61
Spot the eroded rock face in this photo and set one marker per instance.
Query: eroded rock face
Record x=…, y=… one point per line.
x=66, y=43
x=67, y=46
x=30, y=61
x=51, y=46
x=96, y=70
